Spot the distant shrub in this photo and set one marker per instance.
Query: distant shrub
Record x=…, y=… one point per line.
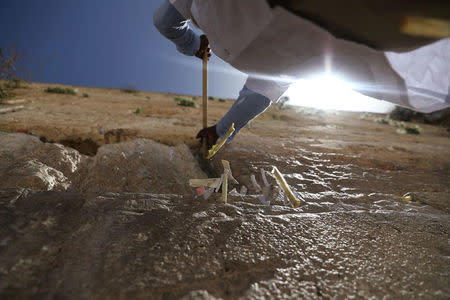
x=401, y=126
x=211, y=98
x=85, y=95
x=138, y=111
x=386, y=121
x=222, y=100
x=58, y=90
x=409, y=129
x=194, y=98
x=147, y=97
x=412, y=129
x=366, y=116
x=281, y=104
x=402, y=114
x=14, y=84
x=185, y=102
x=130, y=90
x=3, y=95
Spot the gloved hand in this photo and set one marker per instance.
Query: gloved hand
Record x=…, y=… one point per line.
x=209, y=134
x=204, y=47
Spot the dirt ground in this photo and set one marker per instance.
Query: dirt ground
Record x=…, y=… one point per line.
x=108, y=116
x=109, y=213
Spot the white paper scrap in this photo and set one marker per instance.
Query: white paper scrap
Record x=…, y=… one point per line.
x=243, y=190
x=256, y=186
x=227, y=168
x=208, y=193
x=263, y=200
x=208, y=182
x=220, y=183
x=263, y=175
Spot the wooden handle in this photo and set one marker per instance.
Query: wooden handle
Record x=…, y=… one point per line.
x=205, y=90
x=205, y=99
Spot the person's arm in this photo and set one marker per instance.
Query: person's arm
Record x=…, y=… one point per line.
x=247, y=106
x=171, y=24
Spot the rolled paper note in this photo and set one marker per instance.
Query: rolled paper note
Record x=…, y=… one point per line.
x=227, y=168
x=263, y=175
x=243, y=190
x=201, y=190
x=225, y=187
x=234, y=192
x=285, y=187
x=220, y=183
x=262, y=199
x=267, y=193
x=256, y=186
x=208, y=182
x=216, y=147
x=208, y=193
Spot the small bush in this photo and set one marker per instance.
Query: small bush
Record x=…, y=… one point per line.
x=138, y=111
x=383, y=121
x=85, y=95
x=58, y=90
x=402, y=114
x=129, y=90
x=14, y=84
x=185, y=102
x=211, y=98
x=281, y=104
x=3, y=95
x=194, y=98
x=222, y=100
x=366, y=116
x=409, y=129
x=401, y=126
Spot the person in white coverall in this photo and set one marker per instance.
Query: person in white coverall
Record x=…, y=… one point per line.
x=276, y=47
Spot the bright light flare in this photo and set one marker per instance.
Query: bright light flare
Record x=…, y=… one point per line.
x=328, y=92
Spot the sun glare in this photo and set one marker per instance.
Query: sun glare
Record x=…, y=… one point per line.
x=328, y=92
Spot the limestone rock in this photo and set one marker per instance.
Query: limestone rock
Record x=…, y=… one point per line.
x=35, y=175
x=141, y=166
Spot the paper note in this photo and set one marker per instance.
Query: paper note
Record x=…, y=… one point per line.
x=227, y=168
x=285, y=187
x=256, y=186
x=208, y=182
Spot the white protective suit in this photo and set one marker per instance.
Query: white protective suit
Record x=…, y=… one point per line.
x=276, y=47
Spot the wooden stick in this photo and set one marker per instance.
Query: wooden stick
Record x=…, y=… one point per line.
x=285, y=187
x=205, y=99
x=225, y=187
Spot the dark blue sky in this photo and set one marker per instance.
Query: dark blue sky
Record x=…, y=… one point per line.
x=106, y=43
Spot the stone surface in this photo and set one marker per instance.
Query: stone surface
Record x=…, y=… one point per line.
x=139, y=165
x=27, y=162
x=138, y=246
x=123, y=223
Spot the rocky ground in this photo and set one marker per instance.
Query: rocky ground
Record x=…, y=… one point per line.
x=95, y=203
